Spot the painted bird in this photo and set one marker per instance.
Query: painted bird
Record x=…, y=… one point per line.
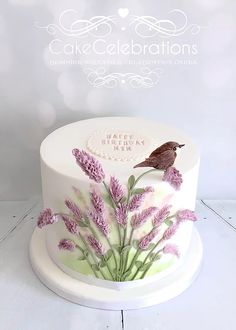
x=162, y=157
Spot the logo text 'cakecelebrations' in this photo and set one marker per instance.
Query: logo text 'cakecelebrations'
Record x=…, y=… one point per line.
x=89, y=43
x=117, y=145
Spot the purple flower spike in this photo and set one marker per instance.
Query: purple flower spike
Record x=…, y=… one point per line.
x=116, y=189
x=149, y=189
x=183, y=215
x=96, y=245
x=169, y=232
x=121, y=215
x=136, y=202
x=161, y=215
x=138, y=199
x=46, y=217
x=146, y=240
x=71, y=225
x=139, y=219
x=97, y=202
x=100, y=222
x=89, y=165
x=67, y=244
x=171, y=249
x=74, y=208
x=173, y=177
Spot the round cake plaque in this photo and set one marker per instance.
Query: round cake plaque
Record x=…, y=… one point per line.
x=118, y=145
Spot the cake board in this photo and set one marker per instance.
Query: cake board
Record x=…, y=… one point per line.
x=110, y=299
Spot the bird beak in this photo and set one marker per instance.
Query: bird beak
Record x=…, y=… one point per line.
x=181, y=145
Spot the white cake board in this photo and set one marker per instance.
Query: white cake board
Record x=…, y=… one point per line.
x=105, y=298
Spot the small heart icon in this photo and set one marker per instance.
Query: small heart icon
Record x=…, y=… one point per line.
x=123, y=12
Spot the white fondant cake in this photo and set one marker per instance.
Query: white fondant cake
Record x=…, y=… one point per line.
x=102, y=238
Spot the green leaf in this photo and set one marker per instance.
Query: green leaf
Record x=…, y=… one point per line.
x=80, y=258
x=108, y=200
x=138, y=263
x=126, y=274
x=152, y=256
x=168, y=222
x=131, y=181
x=157, y=257
x=108, y=255
x=135, y=244
x=123, y=199
x=117, y=247
x=86, y=221
x=146, y=266
x=150, y=246
x=95, y=267
x=99, y=256
x=102, y=264
x=82, y=224
x=138, y=191
x=86, y=253
x=126, y=249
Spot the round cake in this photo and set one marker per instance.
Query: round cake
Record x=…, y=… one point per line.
x=119, y=196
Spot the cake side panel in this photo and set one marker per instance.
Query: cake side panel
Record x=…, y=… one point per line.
x=56, y=188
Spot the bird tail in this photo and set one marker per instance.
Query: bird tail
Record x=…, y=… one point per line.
x=145, y=163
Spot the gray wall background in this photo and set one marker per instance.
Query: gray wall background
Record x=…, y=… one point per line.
x=35, y=100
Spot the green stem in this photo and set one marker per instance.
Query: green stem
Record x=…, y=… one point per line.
x=143, y=174
x=92, y=255
x=95, y=235
x=146, y=258
x=137, y=254
x=125, y=234
x=131, y=235
x=127, y=256
x=114, y=207
x=113, y=253
x=109, y=269
x=88, y=261
x=129, y=194
x=144, y=273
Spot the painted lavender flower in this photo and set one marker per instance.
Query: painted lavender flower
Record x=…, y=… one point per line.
x=169, y=232
x=138, y=199
x=71, y=225
x=46, y=217
x=122, y=201
x=117, y=192
x=186, y=214
x=136, y=202
x=161, y=215
x=146, y=240
x=89, y=165
x=96, y=246
x=97, y=202
x=148, y=189
x=139, y=219
x=100, y=222
x=73, y=208
x=173, y=177
x=171, y=249
x=67, y=244
x=121, y=215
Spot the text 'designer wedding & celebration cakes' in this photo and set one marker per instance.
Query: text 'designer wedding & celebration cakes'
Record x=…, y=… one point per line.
x=117, y=226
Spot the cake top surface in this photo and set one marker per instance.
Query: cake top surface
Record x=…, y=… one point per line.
x=118, y=143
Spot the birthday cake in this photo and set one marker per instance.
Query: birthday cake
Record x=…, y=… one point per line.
x=119, y=197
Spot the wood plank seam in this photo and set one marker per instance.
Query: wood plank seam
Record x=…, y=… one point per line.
x=122, y=320
x=218, y=215
x=19, y=221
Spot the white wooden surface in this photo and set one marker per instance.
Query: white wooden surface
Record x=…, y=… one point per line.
x=210, y=303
